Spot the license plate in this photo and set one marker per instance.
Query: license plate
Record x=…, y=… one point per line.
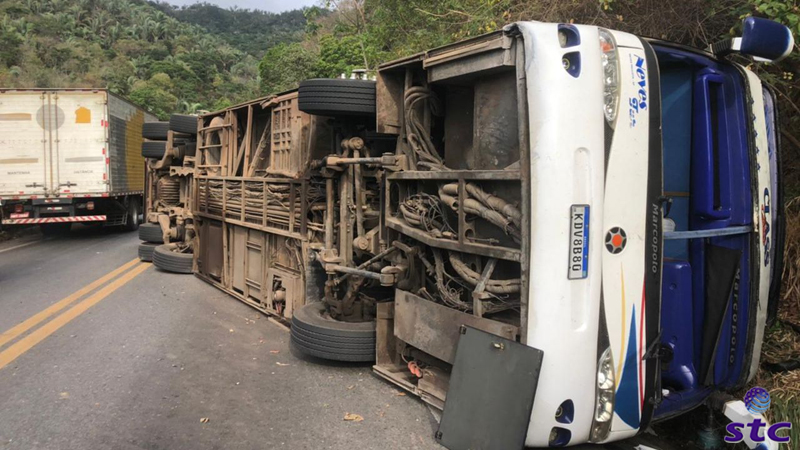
x=578, y=242
x=22, y=215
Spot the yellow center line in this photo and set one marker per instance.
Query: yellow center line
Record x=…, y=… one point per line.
x=26, y=343
x=13, y=333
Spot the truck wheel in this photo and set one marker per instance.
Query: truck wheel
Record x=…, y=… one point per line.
x=335, y=97
x=155, y=130
x=315, y=333
x=132, y=221
x=183, y=123
x=146, y=251
x=151, y=232
x=166, y=257
x=154, y=149
x=53, y=229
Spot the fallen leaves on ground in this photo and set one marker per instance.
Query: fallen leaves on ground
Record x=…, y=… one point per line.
x=350, y=417
x=282, y=364
x=204, y=420
x=274, y=352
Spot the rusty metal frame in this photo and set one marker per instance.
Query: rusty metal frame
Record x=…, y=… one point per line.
x=258, y=196
x=176, y=221
x=455, y=61
x=327, y=181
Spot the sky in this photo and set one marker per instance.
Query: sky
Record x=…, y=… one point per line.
x=266, y=5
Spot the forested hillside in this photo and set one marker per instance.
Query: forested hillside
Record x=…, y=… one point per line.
x=158, y=60
x=252, y=32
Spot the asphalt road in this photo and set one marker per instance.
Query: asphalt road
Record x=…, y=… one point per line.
x=144, y=359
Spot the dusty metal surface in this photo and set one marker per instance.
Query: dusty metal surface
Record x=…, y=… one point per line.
x=434, y=328
x=168, y=188
x=256, y=203
x=459, y=202
x=481, y=411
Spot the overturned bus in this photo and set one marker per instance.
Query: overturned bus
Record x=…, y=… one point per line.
x=556, y=233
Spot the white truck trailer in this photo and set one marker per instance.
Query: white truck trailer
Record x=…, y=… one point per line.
x=70, y=155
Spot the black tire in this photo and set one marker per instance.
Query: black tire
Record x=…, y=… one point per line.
x=191, y=148
x=330, y=355
x=55, y=229
x=183, y=123
x=316, y=334
x=155, y=130
x=146, y=251
x=154, y=149
x=151, y=232
x=325, y=340
x=132, y=221
x=167, y=260
x=337, y=97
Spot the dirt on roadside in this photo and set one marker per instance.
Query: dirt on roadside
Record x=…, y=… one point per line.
x=17, y=231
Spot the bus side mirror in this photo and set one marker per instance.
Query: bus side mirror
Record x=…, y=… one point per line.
x=762, y=39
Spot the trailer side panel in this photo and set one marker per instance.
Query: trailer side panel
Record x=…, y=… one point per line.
x=126, y=165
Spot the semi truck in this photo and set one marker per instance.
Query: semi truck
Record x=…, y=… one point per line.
x=70, y=156
x=555, y=233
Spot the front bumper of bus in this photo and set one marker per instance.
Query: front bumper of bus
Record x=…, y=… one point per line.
x=590, y=196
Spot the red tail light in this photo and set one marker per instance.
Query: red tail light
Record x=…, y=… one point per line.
x=90, y=206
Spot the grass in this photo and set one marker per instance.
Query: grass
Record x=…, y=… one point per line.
x=782, y=341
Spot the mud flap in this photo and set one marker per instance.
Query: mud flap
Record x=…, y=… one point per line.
x=491, y=393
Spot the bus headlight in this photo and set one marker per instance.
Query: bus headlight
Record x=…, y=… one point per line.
x=610, y=61
x=604, y=399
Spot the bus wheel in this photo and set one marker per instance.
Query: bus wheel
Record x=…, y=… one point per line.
x=315, y=333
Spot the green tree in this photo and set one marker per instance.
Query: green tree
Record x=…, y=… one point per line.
x=339, y=55
x=220, y=104
x=10, y=52
x=155, y=95
x=285, y=65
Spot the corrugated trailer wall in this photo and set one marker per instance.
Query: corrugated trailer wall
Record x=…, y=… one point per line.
x=126, y=165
